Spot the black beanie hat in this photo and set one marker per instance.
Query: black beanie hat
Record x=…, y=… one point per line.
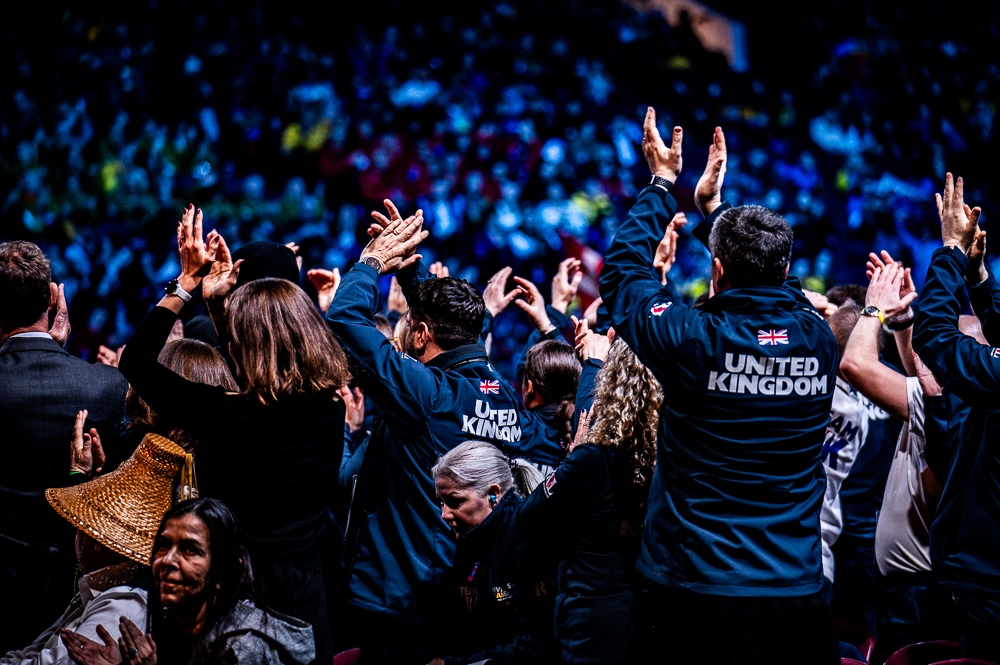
x=266, y=259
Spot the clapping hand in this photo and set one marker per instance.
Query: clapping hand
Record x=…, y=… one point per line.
x=907, y=291
x=135, y=648
x=222, y=276
x=106, y=356
x=354, y=402
x=494, y=295
x=326, y=282
x=666, y=251
x=86, y=453
x=588, y=343
x=708, y=193
x=663, y=161
x=533, y=305
x=60, y=324
x=196, y=253
x=395, y=245
x=88, y=652
x=439, y=269
x=959, y=222
x=566, y=283
x=884, y=292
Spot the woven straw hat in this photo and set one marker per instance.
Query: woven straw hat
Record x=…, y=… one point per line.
x=122, y=510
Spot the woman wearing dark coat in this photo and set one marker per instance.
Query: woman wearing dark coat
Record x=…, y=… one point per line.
x=271, y=450
x=591, y=511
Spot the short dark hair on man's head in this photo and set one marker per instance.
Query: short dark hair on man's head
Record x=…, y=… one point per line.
x=754, y=245
x=452, y=308
x=841, y=293
x=25, y=275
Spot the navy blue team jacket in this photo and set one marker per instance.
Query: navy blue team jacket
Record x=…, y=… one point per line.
x=398, y=547
x=965, y=534
x=748, y=381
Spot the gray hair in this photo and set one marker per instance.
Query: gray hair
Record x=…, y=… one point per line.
x=475, y=465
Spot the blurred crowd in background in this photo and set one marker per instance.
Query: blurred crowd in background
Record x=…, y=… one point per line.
x=514, y=125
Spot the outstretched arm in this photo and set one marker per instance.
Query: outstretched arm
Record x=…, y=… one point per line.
x=970, y=369
x=642, y=310
x=860, y=365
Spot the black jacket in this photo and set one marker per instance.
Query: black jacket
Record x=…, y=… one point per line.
x=42, y=387
x=498, y=598
x=588, y=512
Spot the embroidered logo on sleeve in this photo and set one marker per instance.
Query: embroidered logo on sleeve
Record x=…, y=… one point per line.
x=550, y=482
x=659, y=308
x=772, y=337
x=489, y=387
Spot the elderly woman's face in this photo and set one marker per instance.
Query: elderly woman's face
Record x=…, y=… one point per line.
x=181, y=561
x=462, y=509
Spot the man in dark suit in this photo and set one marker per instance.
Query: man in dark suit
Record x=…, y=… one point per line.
x=42, y=387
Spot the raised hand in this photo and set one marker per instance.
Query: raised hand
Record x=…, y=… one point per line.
x=86, y=453
x=533, y=305
x=354, y=401
x=496, y=299
x=396, y=301
x=222, y=276
x=381, y=221
x=295, y=250
x=884, y=290
x=196, y=253
x=588, y=343
x=326, y=282
x=906, y=286
x=663, y=161
x=708, y=193
x=60, y=324
x=566, y=283
x=977, y=259
x=394, y=247
x=666, y=251
x=88, y=652
x=959, y=223
x=439, y=269
x=106, y=356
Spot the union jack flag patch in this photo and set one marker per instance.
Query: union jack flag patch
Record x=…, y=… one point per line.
x=659, y=308
x=489, y=387
x=772, y=337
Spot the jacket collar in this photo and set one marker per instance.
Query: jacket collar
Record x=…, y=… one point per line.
x=459, y=355
x=759, y=298
x=486, y=529
x=19, y=344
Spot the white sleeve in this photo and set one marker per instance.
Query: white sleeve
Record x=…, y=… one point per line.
x=915, y=425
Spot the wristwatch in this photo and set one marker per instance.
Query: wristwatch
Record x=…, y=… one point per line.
x=174, y=289
x=661, y=182
x=373, y=263
x=874, y=311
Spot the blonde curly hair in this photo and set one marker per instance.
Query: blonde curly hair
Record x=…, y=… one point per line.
x=627, y=400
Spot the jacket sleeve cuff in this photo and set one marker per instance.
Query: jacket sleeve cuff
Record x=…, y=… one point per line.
x=367, y=270
x=704, y=228
x=984, y=288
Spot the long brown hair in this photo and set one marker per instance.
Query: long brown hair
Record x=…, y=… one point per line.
x=627, y=401
x=195, y=361
x=280, y=343
x=554, y=372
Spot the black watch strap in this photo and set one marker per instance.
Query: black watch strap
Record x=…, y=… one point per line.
x=661, y=182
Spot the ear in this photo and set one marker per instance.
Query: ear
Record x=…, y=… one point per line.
x=53, y=294
x=718, y=275
x=528, y=387
x=787, y=267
